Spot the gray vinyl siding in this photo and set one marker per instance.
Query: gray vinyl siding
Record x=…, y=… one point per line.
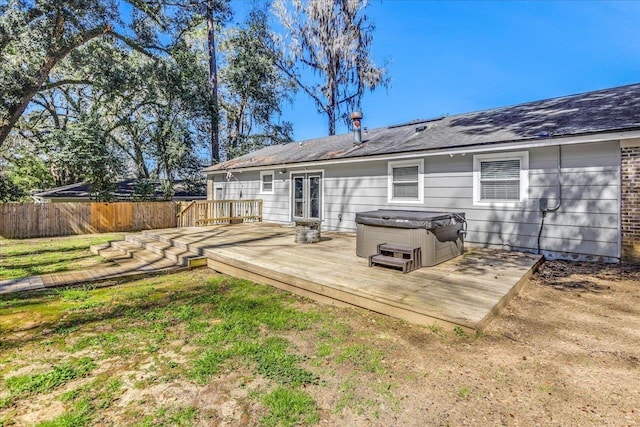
x=585, y=226
x=246, y=185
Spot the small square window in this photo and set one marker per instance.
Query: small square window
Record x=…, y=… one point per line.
x=406, y=182
x=266, y=182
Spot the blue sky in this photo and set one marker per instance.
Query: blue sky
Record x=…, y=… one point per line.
x=449, y=57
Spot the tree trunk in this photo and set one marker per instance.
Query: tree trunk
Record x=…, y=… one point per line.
x=331, y=104
x=213, y=86
x=332, y=121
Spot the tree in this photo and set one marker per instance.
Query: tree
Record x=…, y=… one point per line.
x=253, y=88
x=250, y=87
x=86, y=152
x=213, y=83
x=213, y=13
x=332, y=38
x=137, y=98
x=10, y=192
x=132, y=119
x=35, y=37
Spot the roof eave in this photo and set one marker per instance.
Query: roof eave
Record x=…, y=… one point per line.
x=582, y=138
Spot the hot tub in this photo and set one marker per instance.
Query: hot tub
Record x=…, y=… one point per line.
x=439, y=235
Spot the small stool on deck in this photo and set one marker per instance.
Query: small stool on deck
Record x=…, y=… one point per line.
x=399, y=256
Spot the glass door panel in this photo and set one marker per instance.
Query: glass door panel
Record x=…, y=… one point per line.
x=298, y=196
x=314, y=196
x=306, y=196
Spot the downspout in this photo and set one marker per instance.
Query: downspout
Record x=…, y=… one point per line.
x=544, y=208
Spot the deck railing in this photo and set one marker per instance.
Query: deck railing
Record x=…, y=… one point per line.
x=214, y=212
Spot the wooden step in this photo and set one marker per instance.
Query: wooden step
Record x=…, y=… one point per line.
x=390, y=261
x=179, y=255
x=106, y=250
x=401, y=249
x=137, y=252
x=146, y=249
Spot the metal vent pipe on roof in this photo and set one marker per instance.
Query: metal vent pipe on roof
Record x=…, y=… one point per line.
x=356, y=116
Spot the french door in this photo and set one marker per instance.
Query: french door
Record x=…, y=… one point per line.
x=306, y=195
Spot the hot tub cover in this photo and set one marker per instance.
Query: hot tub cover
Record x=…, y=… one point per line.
x=408, y=219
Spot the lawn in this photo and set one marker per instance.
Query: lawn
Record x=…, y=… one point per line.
x=136, y=353
x=32, y=257
x=199, y=348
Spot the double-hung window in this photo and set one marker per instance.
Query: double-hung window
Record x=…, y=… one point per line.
x=266, y=182
x=406, y=181
x=500, y=178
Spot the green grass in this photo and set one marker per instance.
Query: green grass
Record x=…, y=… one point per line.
x=289, y=408
x=86, y=402
x=464, y=392
x=40, y=383
x=232, y=323
x=274, y=362
x=248, y=309
x=459, y=332
x=75, y=294
x=348, y=397
x=192, y=327
x=32, y=257
x=79, y=415
x=362, y=357
x=170, y=417
x=21, y=386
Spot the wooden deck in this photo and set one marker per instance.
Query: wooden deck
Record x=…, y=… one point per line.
x=467, y=291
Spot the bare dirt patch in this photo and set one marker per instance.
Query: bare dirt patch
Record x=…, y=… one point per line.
x=564, y=352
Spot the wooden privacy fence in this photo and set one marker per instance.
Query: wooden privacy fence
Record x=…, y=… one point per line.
x=212, y=212
x=25, y=220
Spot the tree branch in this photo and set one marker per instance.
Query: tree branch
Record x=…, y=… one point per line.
x=304, y=88
x=64, y=82
x=136, y=46
x=349, y=98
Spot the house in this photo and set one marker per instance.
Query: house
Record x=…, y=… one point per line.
x=558, y=176
x=124, y=191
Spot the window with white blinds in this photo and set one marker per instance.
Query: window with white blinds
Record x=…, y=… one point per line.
x=499, y=178
x=266, y=182
x=405, y=182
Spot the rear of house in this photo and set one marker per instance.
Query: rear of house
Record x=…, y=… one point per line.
x=557, y=175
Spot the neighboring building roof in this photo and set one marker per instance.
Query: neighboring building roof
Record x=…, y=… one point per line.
x=607, y=110
x=124, y=191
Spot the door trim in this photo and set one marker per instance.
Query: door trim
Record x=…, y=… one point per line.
x=291, y=189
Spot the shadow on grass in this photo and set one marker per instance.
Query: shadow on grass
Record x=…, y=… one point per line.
x=29, y=251
x=40, y=263
x=131, y=307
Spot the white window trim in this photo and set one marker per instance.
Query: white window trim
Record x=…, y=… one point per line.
x=406, y=163
x=273, y=182
x=523, y=156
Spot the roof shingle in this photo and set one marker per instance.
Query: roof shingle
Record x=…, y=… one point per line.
x=607, y=110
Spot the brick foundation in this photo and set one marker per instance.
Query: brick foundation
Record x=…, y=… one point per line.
x=630, y=203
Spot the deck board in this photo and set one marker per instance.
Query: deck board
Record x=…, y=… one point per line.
x=466, y=291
